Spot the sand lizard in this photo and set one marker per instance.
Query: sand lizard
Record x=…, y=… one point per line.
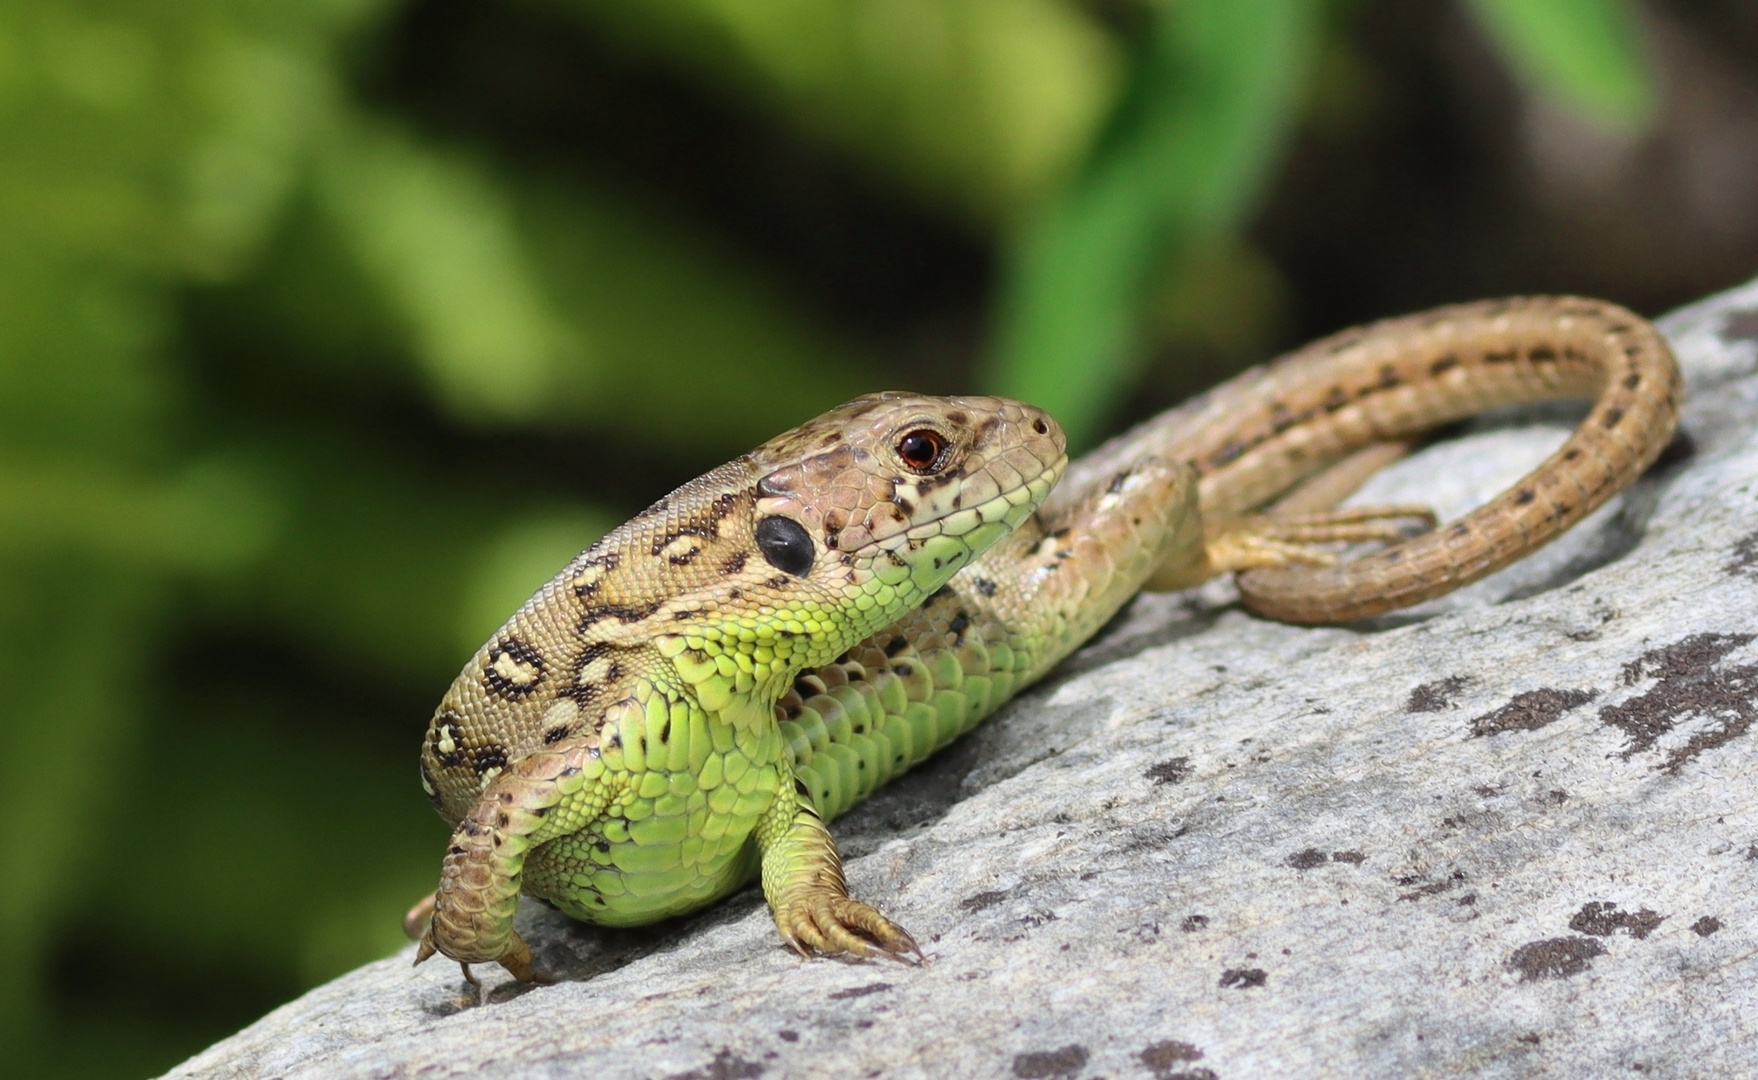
x=689, y=701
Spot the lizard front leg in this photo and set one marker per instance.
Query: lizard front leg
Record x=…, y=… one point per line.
x=803, y=882
x=481, y=876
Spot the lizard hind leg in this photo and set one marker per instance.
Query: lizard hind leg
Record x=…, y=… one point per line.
x=1276, y=541
x=1261, y=541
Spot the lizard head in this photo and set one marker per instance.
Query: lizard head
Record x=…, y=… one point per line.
x=876, y=504
x=730, y=585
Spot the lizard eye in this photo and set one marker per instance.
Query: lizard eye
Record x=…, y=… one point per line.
x=785, y=545
x=921, y=450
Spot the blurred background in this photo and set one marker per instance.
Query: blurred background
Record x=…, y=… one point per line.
x=331, y=328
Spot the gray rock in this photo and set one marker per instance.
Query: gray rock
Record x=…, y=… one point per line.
x=1512, y=833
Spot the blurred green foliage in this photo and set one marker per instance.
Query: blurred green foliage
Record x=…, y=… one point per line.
x=231, y=280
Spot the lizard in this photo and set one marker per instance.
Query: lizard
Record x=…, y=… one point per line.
x=689, y=702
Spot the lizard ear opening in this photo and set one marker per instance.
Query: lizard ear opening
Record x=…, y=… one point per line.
x=786, y=545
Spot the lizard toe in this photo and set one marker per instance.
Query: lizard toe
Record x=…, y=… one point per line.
x=827, y=924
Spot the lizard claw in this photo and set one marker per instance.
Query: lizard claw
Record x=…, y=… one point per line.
x=517, y=959
x=824, y=923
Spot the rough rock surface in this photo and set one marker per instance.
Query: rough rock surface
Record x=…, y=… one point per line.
x=1511, y=833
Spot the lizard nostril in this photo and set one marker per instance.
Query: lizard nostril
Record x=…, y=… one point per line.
x=1040, y=427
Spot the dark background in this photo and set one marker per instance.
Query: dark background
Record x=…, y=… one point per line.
x=328, y=330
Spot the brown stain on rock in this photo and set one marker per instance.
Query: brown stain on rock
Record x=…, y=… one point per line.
x=1244, y=978
x=1743, y=559
x=859, y=991
x=1690, y=683
x=1164, y=1059
x=1530, y=711
x=1043, y=1064
x=1603, y=919
x=982, y=900
x=1554, y=958
x=1438, y=695
x=1170, y=771
x=725, y=1066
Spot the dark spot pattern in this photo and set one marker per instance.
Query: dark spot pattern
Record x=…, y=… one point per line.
x=1602, y=919
x=623, y=613
x=584, y=690
x=1432, y=888
x=1162, y=1058
x=1044, y=1064
x=859, y=991
x=983, y=900
x=1435, y=696
x=725, y=1066
x=1170, y=771
x=1690, y=683
x=492, y=756
x=1530, y=711
x=1554, y=958
x=527, y=665
x=1744, y=558
x=1705, y=926
x=1306, y=860
x=608, y=562
x=1244, y=978
x=450, y=728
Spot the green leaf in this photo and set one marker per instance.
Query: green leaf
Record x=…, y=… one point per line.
x=1587, y=54
x=1181, y=164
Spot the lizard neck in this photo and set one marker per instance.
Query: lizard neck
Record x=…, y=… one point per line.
x=735, y=678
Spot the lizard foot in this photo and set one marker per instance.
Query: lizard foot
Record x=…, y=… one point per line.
x=1260, y=542
x=826, y=923
x=517, y=959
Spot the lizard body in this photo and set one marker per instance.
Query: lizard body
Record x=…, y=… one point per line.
x=691, y=699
